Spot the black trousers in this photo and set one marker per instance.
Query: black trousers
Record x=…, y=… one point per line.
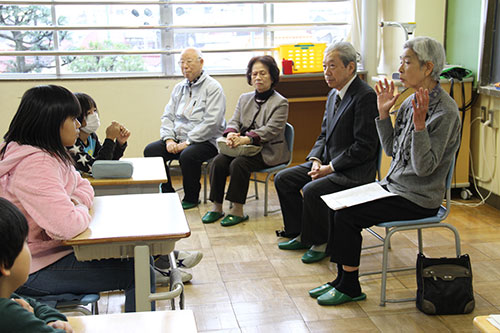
x=190, y=160
x=240, y=169
x=344, y=243
x=305, y=213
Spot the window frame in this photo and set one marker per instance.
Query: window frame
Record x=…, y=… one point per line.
x=167, y=36
x=486, y=55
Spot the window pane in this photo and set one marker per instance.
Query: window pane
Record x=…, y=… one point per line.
x=312, y=12
x=218, y=38
x=110, y=64
x=315, y=35
x=217, y=14
x=34, y=65
x=25, y=15
x=109, y=40
x=108, y=15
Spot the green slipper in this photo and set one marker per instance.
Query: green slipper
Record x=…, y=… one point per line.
x=335, y=297
x=318, y=291
x=232, y=220
x=292, y=244
x=189, y=205
x=312, y=256
x=211, y=217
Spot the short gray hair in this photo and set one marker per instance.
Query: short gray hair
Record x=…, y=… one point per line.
x=347, y=53
x=428, y=49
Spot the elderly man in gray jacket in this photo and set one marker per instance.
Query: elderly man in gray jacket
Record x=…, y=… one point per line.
x=192, y=120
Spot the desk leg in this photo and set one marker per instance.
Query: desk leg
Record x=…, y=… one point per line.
x=142, y=278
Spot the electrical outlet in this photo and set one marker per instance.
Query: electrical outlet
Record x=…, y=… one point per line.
x=491, y=118
x=483, y=114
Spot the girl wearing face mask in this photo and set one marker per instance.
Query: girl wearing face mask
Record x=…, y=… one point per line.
x=87, y=148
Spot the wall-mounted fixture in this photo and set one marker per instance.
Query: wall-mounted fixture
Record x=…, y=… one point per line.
x=408, y=27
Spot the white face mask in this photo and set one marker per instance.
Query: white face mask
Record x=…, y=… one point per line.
x=93, y=123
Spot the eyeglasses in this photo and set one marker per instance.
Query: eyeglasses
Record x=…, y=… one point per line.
x=188, y=62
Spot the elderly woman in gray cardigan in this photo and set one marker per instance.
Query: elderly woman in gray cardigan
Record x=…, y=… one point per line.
x=260, y=119
x=422, y=143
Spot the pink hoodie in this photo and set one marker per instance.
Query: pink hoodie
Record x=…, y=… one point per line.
x=42, y=187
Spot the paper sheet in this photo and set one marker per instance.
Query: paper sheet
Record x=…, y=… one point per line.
x=355, y=196
x=494, y=320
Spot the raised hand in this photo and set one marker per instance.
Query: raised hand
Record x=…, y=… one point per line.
x=420, y=108
x=385, y=97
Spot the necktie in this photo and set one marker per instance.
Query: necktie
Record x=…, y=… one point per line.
x=337, y=103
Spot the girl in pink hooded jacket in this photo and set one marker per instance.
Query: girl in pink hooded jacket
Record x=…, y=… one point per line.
x=38, y=176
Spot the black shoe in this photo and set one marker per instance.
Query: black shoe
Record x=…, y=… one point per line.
x=283, y=233
x=166, y=188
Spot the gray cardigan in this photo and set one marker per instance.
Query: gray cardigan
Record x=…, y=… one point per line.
x=269, y=125
x=421, y=160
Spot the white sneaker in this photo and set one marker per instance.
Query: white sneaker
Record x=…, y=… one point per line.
x=163, y=276
x=186, y=259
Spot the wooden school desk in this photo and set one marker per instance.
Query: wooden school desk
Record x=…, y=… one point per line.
x=483, y=325
x=133, y=225
x=149, y=173
x=133, y=322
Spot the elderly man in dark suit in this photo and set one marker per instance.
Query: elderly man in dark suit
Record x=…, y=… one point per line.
x=344, y=155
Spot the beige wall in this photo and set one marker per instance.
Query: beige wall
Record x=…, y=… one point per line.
x=137, y=103
x=429, y=16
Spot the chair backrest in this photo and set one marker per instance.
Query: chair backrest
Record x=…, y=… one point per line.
x=449, y=178
x=289, y=137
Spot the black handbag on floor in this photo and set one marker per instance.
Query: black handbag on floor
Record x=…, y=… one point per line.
x=444, y=285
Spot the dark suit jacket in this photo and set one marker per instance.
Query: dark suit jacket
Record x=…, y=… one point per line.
x=349, y=138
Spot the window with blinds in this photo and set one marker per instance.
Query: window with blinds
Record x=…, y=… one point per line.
x=75, y=38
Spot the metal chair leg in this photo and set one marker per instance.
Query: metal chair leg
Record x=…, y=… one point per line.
x=256, y=187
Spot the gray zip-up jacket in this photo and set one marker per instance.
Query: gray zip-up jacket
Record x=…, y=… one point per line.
x=421, y=160
x=195, y=112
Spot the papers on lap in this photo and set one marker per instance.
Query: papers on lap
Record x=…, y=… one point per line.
x=494, y=319
x=355, y=196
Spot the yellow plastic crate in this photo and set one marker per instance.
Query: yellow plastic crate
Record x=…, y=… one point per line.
x=307, y=58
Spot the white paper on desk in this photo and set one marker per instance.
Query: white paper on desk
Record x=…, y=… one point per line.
x=494, y=320
x=355, y=196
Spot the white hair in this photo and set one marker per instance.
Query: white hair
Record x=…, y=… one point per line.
x=195, y=49
x=347, y=52
x=428, y=49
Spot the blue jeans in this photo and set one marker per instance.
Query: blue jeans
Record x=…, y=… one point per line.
x=68, y=275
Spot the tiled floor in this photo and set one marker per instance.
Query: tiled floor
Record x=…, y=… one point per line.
x=246, y=284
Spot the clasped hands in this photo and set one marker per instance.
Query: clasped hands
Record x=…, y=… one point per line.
x=118, y=132
x=386, y=100
x=318, y=170
x=234, y=140
x=174, y=147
